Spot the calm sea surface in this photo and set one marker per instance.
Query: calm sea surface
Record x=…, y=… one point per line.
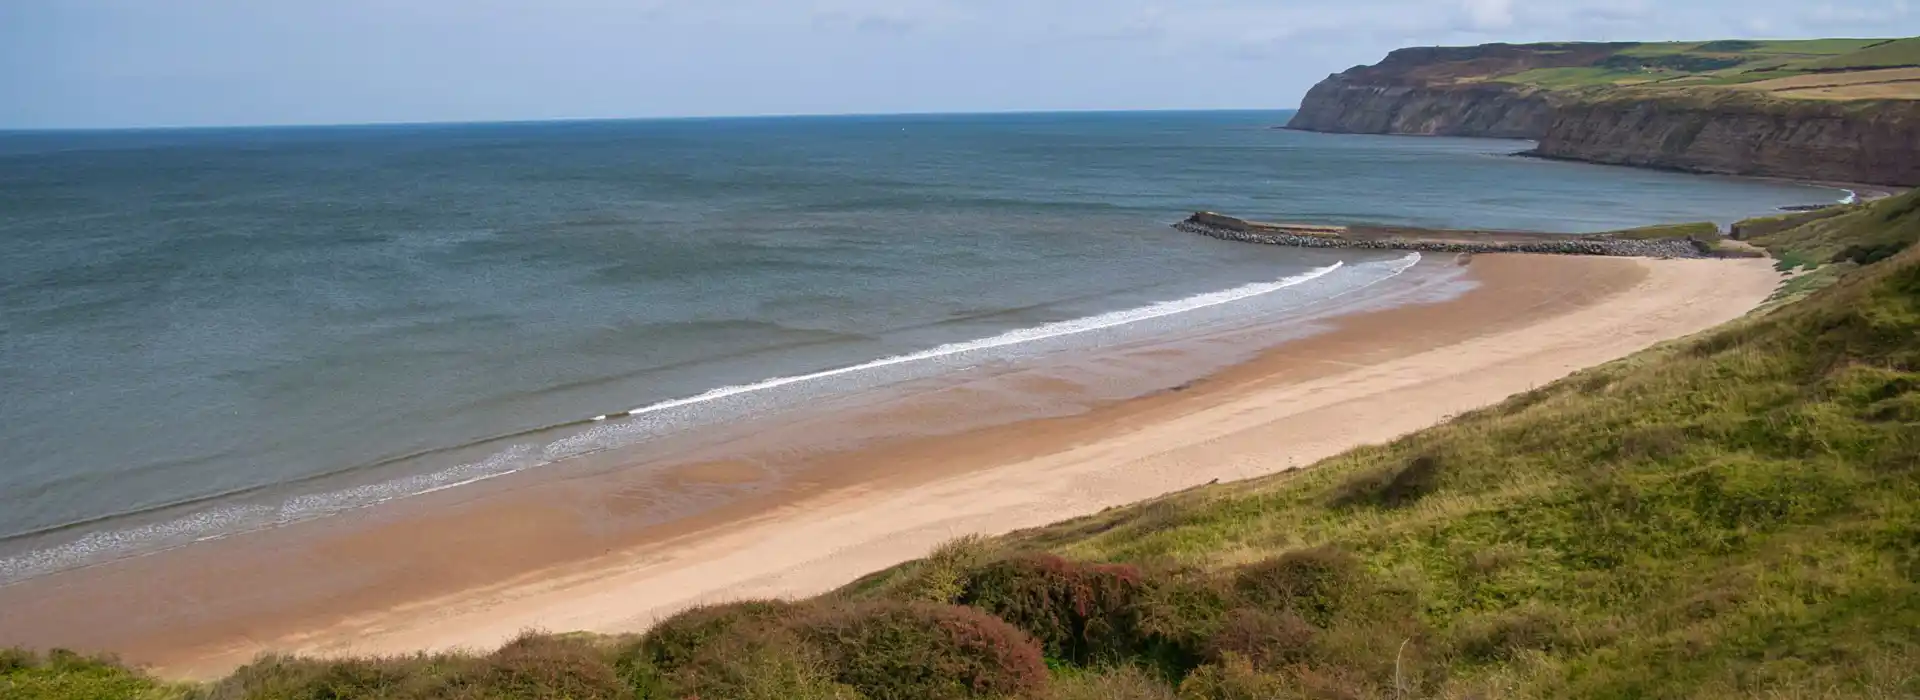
x=193, y=316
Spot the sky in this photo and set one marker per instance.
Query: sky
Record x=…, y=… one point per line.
x=135, y=63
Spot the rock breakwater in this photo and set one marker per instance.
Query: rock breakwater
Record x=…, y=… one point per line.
x=1230, y=229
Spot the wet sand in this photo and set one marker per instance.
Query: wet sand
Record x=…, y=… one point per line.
x=472, y=567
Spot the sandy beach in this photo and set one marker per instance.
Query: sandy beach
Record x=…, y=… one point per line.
x=474, y=568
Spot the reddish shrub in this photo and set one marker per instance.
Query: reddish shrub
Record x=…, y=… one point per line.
x=1080, y=612
x=902, y=651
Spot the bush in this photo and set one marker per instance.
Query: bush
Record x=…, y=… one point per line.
x=942, y=576
x=1870, y=253
x=1233, y=678
x=289, y=678
x=772, y=664
x=1265, y=639
x=1312, y=583
x=678, y=639
x=901, y=651
x=64, y=675
x=546, y=667
x=1079, y=612
x=1179, y=614
x=1391, y=487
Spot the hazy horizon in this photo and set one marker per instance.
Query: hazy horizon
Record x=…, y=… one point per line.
x=120, y=64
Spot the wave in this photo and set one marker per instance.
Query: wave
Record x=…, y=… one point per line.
x=1024, y=335
x=1851, y=197
x=218, y=522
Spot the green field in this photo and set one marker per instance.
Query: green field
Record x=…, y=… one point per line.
x=1678, y=64
x=1893, y=54
x=1732, y=515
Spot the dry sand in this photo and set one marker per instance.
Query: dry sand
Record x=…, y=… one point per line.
x=475, y=573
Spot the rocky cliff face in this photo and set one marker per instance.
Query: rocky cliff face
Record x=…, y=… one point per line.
x=1433, y=91
x=1868, y=142
x=1489, y=110
x=1444, y=92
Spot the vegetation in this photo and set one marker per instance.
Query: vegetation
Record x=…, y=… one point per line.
x=1899, y=53
x=1731, y=515
x=1862, y=234
x=1698, y=231
x=1761, y=64
x=64, y=675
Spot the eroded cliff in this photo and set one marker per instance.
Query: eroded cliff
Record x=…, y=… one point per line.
x=1738, y=134
x=1707, y=107
x=1490, y=110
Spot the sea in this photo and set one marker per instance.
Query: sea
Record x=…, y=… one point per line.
x=210, y=331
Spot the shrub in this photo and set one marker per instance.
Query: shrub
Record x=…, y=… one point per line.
x=1080, y=612
x=1265, y=639
x=899, y=651
x=12, y=659
x=1312, y=583
x=1869, y=253
x=941, y=577
x=1390, y=487
x=64, y=675
x=289, y=678
x=772, y=664
x=546, y=667
x=678, y=639
x=1233, y=678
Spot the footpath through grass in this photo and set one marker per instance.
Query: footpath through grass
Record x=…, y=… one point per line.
x=1733, y=515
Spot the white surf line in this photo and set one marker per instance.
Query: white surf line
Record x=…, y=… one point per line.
x=1041, y=332
x=1851, y=197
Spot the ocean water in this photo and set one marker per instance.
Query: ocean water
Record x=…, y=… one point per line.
x=213, y=330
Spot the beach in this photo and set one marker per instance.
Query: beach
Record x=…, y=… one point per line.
x=472, y=567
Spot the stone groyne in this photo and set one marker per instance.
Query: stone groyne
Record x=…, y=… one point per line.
x=1231, y=229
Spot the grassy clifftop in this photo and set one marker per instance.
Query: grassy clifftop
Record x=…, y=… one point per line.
x=1731, y=515
x=1808, y=69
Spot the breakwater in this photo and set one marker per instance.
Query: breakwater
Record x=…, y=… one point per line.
x=1434, y=241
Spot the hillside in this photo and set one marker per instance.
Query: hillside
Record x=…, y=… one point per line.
x=1731, y=515
x=1828, y=109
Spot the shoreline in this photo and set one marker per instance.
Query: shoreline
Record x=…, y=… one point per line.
x=1376, y=375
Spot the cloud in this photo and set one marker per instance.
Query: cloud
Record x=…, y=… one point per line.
x=1488, y=15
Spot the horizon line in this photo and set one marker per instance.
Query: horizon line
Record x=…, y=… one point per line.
x=583, y=120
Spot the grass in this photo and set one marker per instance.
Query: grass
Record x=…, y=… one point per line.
x=1862, y=233
x=1727, y=63
x=1732, y=515
x=1579, y=76
x=64, y=675
x=1891, y=54
x=1698, y=230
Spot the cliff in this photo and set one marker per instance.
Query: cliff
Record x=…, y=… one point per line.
x=1489, y=110
x=1733, y=107
x=1738, y=134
